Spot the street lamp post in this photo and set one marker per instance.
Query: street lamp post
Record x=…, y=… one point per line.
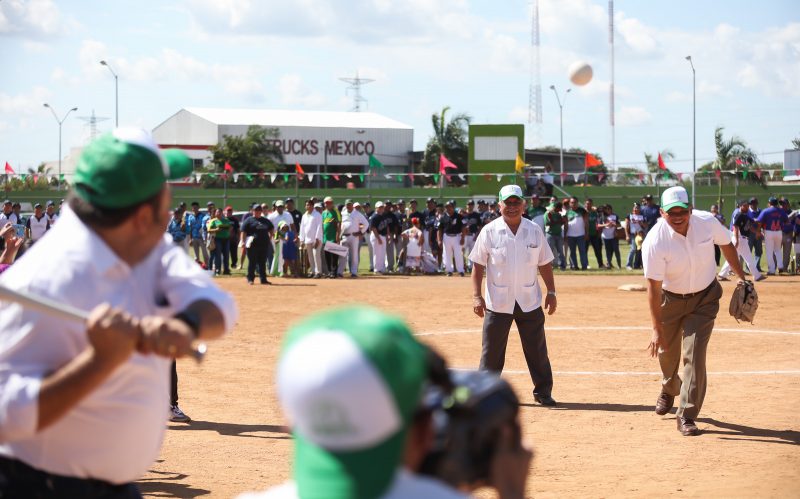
x=561, y=126
x=116, y=92
x=60, y=122
x=694, y=133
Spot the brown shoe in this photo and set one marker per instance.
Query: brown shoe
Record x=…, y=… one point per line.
x=664, y=403
x=687, y=427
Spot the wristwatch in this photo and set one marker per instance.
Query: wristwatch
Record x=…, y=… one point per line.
x=191, y=319
x=551, y=293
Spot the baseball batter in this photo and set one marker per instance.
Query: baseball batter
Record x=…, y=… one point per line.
x=83, y=405
x=683, y=295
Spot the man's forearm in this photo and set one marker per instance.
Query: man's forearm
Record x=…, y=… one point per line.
x=212, y=322
x=477, y=279
x=654, y=301
x=546, y=271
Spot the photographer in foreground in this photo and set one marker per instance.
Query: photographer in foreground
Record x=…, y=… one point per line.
x=351, y=384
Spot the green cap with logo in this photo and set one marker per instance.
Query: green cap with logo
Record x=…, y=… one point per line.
x=349, y=382
x=125, y=167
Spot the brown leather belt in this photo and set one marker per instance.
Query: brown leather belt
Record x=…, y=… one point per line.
x=687, y=295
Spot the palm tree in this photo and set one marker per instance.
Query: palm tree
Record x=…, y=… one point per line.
x=450, y=138
x=731, y=154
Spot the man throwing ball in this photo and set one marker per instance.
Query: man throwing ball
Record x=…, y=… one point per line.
x=513, y=251
x=83, y=406
x=684, y=294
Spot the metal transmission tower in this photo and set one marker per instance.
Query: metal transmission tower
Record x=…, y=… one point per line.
x=355, y=85
x=92, y=122
x=535, y=87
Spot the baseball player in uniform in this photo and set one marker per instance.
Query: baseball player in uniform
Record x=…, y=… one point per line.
x=452, y=233
x=352, y=223
x=683, y=296
x=379, y=236
x=513, y=252
x=741, y=228
x=772, y=219
x=83, y=405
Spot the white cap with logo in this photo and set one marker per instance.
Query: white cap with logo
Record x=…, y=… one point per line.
x=510, y=191
x=674, y=196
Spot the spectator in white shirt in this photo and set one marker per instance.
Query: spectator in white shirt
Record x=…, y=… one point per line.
x=311, y=238
x=354, y=225
x=36, y=225
x=683, y=296
x=94, y=395
x=50, y=211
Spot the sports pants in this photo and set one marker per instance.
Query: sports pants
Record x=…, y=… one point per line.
x=469, y=243
x=690, y=319
x=352, y=243
x=453, y=250
x=774, y=254
x=743, y=249
x=379, y=253
x=388, y=244
x=315, y=257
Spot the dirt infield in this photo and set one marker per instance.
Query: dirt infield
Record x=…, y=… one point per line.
x=604, y=438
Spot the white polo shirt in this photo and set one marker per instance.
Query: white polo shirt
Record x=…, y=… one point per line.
x=353, y=221
x=512, y=264
x=277, y=218
x=37, y=226
x=114, y=433
x=311, y=227
x=684, y=264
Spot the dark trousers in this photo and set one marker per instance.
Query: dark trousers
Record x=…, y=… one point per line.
x=332, y=260
x=173, y=385
x=612, y=249
x=257, y=259
x=597, y=246
x=20, y=481
x=758, y=245
x=233, y=247
x=220, y=256
x=496, y=327
x=579, y=243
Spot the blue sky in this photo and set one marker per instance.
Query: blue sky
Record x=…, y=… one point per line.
x=471, y=55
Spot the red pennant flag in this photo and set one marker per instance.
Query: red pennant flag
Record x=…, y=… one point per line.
x=35, y=179
x=739, y=161
x=661, y=164
x=564, y=175
x=797, y=172
x=445, y=163
x=9, y=169
x=228, y=167
x=411, y=176
x=600, y=177
x=299, y=169
x=718, y=173
x=758, y=173
x=336, y=177
x=641, y=176
x=680, y=176
x=591, y=161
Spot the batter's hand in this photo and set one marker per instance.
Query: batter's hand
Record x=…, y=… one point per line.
x=550, y=303
x=478, y=306
x=510, y=465
x=656, y=345
x=113, y=333
x=167, y=337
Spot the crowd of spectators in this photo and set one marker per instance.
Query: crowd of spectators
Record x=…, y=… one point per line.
x=325, y=240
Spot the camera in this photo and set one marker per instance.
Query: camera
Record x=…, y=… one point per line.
x=469, y=410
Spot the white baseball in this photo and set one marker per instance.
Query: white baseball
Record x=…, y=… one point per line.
x=580, y=73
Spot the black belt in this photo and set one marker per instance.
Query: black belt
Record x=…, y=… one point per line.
x=688, y=295
x=456, y=234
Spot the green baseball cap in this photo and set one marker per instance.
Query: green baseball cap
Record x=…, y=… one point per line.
x=349, y=381
x=125, y=167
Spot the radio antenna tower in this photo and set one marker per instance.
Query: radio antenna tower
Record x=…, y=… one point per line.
x=355, y=85
x=92, y=122
x=535, y=87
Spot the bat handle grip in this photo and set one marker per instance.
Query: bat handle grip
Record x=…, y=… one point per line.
x=199, y=352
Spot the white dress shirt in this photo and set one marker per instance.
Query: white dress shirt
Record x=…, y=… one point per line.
x=311, y=227
x=277, y=218
x=353, y=221
x=512, y=264
x=684, y=264
x=114, y=433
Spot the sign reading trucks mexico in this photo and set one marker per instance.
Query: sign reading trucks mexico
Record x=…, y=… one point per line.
x=313, y=147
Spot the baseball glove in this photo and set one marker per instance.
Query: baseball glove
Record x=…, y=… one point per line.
x=744, y=302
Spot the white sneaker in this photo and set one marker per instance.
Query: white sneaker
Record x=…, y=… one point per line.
x=629, y=268
x=176, y=415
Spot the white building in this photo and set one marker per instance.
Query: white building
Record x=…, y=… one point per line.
x=320, y=141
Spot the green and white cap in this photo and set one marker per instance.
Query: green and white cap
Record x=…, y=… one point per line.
x=510, y=191
x=674, y=196
x=125, y=167
x=349, y=381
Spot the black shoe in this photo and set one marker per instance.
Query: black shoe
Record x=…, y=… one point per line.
x=449, y=274
x=664, y=403
x=545, y=400
x=250, y=282
x=461, y=274
x=266, y=282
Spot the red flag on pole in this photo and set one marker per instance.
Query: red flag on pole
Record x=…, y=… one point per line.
x=299, y=169
x=661, y=164
x=591, y=160
x=445, y=163
x=228, y=167
x=8, y=168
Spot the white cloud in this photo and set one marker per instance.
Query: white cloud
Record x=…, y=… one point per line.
x=26, y=104
x=632, y=116
x=32, y=19
x=293, y=92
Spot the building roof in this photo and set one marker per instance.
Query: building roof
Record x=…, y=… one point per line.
x=278, y=117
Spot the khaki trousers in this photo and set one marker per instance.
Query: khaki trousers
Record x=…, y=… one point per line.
x=690, y=319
